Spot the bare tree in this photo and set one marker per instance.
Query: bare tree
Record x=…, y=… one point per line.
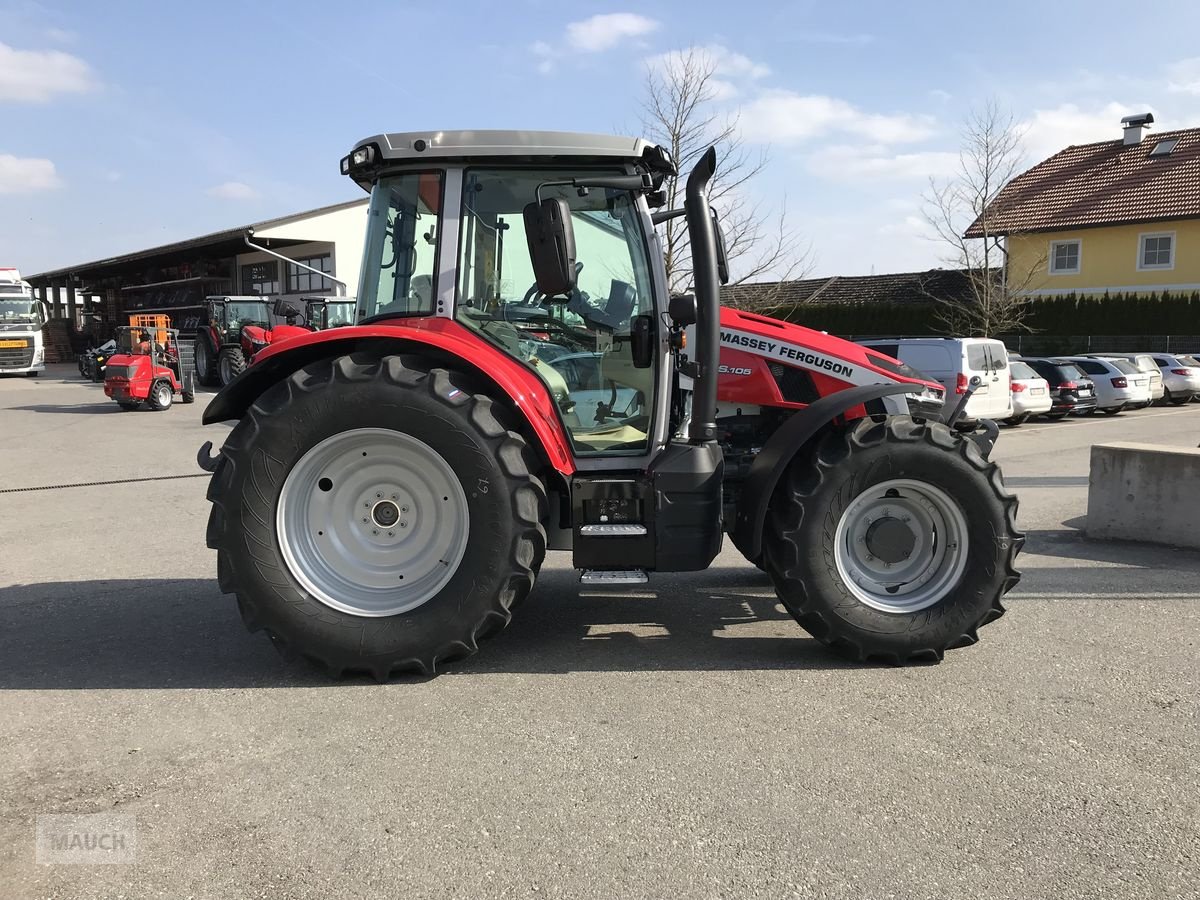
x=679, y=112
x=990, y=156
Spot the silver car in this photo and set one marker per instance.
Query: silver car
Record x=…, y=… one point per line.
x=1119, y=383
x=1180, y=378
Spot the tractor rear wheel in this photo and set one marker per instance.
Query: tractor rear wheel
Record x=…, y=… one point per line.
x=230, y=364
x=206, y=362
x=376, y=515
x=187, y=393
x=894, y=540
x=160, y=396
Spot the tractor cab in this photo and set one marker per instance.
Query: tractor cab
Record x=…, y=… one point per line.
x=286, y=315
x=321, y=313
x=147, y=366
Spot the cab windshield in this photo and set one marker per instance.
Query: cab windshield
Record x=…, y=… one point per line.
x=403, y=229
x=21, y=311
x=246, y=313
x=580, y=343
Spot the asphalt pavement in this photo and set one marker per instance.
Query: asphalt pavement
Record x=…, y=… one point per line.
x=683, y=740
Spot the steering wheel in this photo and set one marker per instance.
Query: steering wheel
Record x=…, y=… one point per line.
x=540, y=299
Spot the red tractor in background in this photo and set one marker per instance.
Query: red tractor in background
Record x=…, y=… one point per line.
x=256, y=338
x=220, y=354
x=148, y=367
x=519, y=380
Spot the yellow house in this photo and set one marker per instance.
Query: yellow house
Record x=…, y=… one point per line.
x=1120, y=216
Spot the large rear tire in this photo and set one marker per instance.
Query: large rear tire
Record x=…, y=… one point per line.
x=206, y=362
x=894, y=540
x=453, y=535
x=230, y=364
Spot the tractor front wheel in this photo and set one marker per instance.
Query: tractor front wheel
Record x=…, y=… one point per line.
x=206, y=362
x=895, y=540
x=161, y=396
x=376, y=515
x=230, y=364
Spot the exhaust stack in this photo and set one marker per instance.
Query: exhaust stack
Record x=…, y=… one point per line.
x=702, y=235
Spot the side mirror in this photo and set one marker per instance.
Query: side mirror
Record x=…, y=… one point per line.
x=551, y=239
x=722, y=258
x=641, y=341
x=283, y=309
x=682, y=310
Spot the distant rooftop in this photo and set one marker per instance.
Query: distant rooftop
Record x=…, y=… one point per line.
x=846, y=290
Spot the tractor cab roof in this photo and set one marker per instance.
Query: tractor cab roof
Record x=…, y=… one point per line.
x=383, y=150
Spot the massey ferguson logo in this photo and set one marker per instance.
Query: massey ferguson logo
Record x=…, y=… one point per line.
x=785, y=351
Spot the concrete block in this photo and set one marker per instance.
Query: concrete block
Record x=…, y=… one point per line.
x=1145, y=492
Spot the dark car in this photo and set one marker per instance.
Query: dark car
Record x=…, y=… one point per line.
x=1071, y=391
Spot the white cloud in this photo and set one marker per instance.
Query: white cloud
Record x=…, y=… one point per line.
x=62, y=35
x=729, y=69
x=603, y=32
x=1048, y=131
x=1183, y=77
x=856, y=164
x=36, y=76
x=786, y=117
x=26, y=175
x=233, y=190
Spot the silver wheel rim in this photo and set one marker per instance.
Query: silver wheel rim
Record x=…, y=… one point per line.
x=901, y=545
x=372, y=522
x=164, y=395
x=203, y=363
x=225, y=370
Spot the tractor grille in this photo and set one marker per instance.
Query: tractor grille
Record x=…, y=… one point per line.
x=16, y=357
x=796, y=385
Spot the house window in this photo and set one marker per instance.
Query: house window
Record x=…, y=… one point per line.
x=1064, y=257
x=261, y=278
x=302, y=281
x=1157, y=251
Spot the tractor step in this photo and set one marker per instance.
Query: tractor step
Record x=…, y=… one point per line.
x=613, y=529
x=614, y=576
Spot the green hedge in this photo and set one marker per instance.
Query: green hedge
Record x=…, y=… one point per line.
x=1133, y=314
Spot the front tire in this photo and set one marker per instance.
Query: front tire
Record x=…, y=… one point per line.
x=388, y=441
x=230, y=364
x=160, y=396
x=894, y=540
x=206, y=362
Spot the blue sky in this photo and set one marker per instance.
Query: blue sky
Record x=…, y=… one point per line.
x=128, y=124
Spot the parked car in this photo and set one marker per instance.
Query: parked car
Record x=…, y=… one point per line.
x=1180, y=379
x=1146, y=363
x=954, y=362
x=1193, y=360
x=1071, y=391
x=1030, y=392
x=1119, y=383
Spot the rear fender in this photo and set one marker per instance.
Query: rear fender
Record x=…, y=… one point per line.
x=781, y=448
x=443, y=340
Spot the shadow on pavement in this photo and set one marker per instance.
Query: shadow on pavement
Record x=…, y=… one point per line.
x=105, y=407
x=1071, y=544
x=160, y=633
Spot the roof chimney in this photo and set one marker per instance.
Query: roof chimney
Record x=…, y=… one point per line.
x=1136, y=127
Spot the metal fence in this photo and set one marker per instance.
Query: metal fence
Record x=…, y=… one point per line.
x=1099, y=343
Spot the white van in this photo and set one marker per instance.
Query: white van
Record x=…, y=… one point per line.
x=954, y=362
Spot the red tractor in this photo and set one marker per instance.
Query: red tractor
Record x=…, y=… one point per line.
x=220, y=354
x=147, y=368
x=256, y=338
x=392, y=486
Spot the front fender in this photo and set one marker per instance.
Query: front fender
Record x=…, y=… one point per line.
x=443, y=340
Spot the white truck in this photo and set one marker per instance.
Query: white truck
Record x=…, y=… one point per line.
x=22, y=320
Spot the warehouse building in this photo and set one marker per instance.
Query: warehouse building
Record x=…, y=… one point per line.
x=175, y=278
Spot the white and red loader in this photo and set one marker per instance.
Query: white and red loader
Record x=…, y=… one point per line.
x=23, y=319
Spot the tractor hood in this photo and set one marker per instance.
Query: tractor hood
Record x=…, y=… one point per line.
x=816, y=351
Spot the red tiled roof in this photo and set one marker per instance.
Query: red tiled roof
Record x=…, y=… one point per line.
x=1107, y=183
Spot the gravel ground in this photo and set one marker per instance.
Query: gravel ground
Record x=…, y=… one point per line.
x=682, y=740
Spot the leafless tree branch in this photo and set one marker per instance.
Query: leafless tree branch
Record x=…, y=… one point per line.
x=679, y=112
x=990, y=156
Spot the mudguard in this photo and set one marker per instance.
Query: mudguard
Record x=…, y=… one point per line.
x=443, y=339
x=781, y=447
